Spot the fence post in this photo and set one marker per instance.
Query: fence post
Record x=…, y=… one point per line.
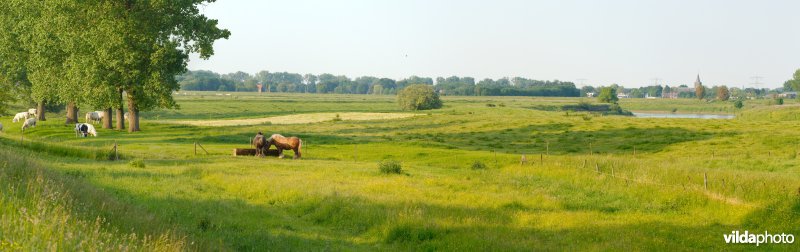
x=116, y=154
x=634, y=151
x=597, y=167
x=495, y=159
x=612, y=170
x=590, y=149
x=195, y=148
x=705, y=180
x=547, y=148
x=541, y=159
x=355, y=153
x=584, y=164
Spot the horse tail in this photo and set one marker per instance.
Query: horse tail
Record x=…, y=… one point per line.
x=299, y=147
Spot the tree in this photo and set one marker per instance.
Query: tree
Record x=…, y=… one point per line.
x=418, y=97
x=738, y=104
x=608, y=95
x=723, y=94
x=700, y=91
x=155, y=39
x=795, y=82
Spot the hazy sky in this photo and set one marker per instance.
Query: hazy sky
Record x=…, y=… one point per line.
x=626, y=42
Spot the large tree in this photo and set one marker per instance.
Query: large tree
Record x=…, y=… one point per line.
x=148, y=43
x=700, y=91
x=723, y=94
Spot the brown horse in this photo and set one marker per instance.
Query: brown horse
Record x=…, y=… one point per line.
x=260, y=142
x=285, y=143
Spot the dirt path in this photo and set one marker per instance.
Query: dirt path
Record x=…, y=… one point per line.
x=296, y=119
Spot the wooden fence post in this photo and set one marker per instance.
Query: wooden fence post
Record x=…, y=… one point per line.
x=495, y=159
x=116, y=153
x=541, y=159
x=195, y=148
x=547, y=148
x=597, y=167
x=584, y=164
x=705, y=180
x=590, y=149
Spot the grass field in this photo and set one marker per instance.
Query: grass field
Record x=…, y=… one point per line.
x=591, y=182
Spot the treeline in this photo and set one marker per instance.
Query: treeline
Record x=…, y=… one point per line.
x=284, y=82
x=100, y=55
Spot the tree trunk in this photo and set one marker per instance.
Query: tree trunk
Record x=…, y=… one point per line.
x=107, y=118
x=120, y=113
x=133, y=114
x=120, y=119
x=40, y=111
x=72, y=113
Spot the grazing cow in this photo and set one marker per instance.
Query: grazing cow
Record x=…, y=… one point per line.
x=30, y=122
x=32, y=112
x=21, y=116
x=285, y=143
x=85, y=129
x=95, y=116
x=260, y=142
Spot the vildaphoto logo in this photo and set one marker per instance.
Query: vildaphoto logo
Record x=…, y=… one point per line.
x=758, y=238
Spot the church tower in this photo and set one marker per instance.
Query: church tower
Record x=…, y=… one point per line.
x=698, y=83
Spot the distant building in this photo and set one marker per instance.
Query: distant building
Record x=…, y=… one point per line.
x=623, y=95
x=590, y=94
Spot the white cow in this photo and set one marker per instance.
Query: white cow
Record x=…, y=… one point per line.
x=32, y=112
x=95, y=116
x=85, y=129
x=30, y=122
x=21, y=116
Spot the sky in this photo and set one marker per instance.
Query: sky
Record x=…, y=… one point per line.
x=629, y=42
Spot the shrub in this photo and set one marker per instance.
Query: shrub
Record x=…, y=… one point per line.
x=779, y=101
x=478, y=165
x=419, y=97
x=490, y=105
x=337, y=118
x=390, y=167
x=608, y=94
x=738, y=104
x=137, y=163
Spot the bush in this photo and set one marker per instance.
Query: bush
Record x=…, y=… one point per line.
x=478, y=165
x=608, y=95
x=779, y=101
x=137, y=163
x=490, y=105
x=390, y=167
x=738, y=104
x=419, y=97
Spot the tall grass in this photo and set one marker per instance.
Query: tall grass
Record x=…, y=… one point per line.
x=39, y=213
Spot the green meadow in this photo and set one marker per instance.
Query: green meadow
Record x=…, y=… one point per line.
x=589, y=182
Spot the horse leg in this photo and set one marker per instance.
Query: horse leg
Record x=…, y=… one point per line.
x=280, y=153
x=296, y=153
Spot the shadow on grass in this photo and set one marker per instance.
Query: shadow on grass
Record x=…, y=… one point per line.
x=558, y=139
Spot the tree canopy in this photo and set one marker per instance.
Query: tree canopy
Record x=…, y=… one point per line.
x=419, y=97
x=90, y=52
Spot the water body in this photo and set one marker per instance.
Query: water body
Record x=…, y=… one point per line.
x=682, y=115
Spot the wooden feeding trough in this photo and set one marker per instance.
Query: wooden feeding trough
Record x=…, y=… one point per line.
x=252, y=152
